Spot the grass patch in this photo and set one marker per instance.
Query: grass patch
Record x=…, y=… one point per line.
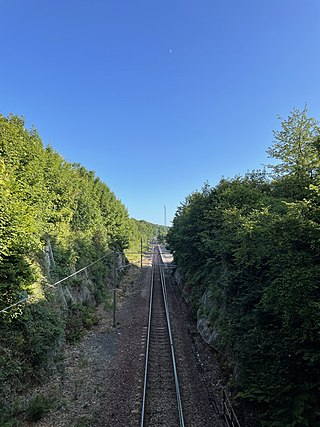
x=84, y=421
x=38, y=407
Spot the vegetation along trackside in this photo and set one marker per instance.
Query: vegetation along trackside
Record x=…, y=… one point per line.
x=249, y=252
x=55, y=218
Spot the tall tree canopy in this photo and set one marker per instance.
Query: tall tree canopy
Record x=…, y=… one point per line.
x=296, y=145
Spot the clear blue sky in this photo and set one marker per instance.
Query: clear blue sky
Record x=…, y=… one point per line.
x=158, y=96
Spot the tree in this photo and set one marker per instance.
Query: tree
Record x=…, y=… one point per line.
x=296, y=146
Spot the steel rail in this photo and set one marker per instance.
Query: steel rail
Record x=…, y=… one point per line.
x=148, y=344
x=228, y=412
x=158, y=258
x=176, y=380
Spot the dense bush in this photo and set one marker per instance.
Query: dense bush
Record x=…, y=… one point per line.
x=251, y=245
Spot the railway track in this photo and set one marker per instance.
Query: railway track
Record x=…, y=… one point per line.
x=161, y=403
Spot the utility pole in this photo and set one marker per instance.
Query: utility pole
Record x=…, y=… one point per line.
x=165, y=216
x=141, y=253
x=114, y=286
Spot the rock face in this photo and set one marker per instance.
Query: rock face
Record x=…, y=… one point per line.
x=208, y=334
x=205, y=330
x=80, y=288
x=178, y=278
x=49, y=262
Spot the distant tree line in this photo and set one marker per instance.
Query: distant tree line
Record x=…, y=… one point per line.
x=47, y=202
x=251, y=246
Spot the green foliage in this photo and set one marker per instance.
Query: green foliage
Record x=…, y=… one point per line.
x=42, y=325
x=9, y=414
x=84, y=421
x=17, y=275
x=46, y=201
x=28, y=343
x=43, y=197
x=252, y=247
x=296, y=145
x=80, y=316
x=145, y=231
x=13, y=422
x=38, y=407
